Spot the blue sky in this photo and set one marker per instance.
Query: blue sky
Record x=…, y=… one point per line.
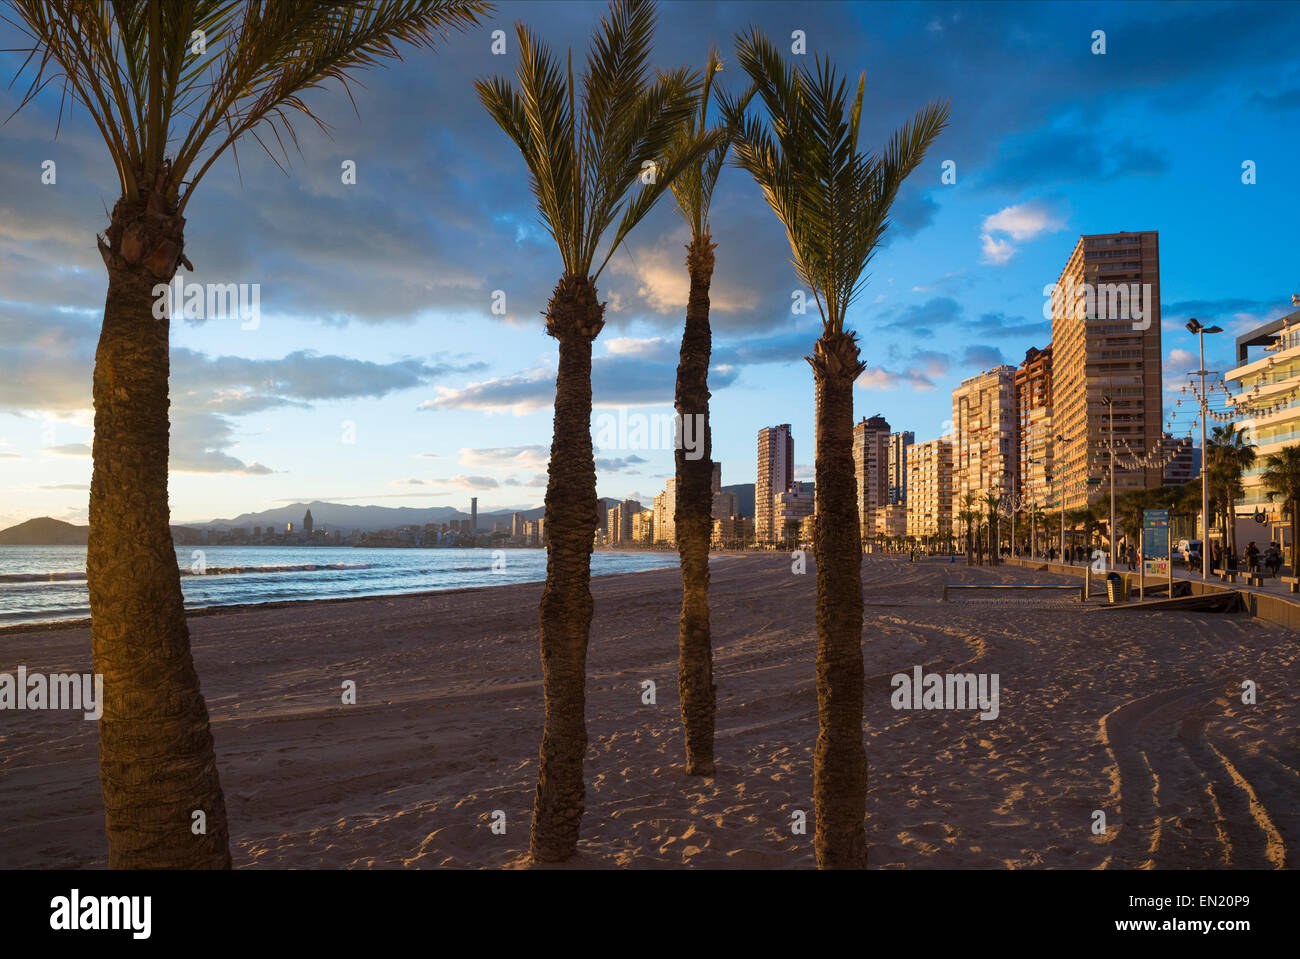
x=379, y=373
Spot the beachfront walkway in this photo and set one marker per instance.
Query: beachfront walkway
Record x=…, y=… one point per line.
x=1271, y=587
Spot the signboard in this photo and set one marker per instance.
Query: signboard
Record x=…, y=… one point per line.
x=1155, y=542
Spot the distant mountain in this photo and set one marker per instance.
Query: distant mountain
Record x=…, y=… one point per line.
x=341, y=516
x=744, y=498
x=44, y=531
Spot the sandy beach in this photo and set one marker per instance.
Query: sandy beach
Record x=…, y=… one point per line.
x=1137, y=715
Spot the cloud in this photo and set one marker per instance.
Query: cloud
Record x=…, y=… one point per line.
x=619, y=464
x=1021, y=222
x=536, y=480
x=533, y=457
x=69, y=449
x=1056, y=155
x=1180, y=361
x=996, y=252
x=984, y=357
x=618, y=379
x=461, y=481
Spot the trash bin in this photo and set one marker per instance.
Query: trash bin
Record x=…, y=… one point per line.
x=1115, y=591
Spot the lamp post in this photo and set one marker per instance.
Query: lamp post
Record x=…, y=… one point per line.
x=1195, y=326
x=1060, y=477
x=1110, y=406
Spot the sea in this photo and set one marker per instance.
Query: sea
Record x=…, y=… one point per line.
x=46, y=584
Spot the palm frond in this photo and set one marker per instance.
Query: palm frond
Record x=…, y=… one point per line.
x=586, y=156
x=833, y=200
x=132, y=66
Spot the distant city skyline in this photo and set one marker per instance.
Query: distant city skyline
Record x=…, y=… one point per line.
x=382, y=372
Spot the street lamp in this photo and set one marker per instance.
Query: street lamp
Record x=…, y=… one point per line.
x=1110, y=406
x=1194, y=326
x=1060, y=477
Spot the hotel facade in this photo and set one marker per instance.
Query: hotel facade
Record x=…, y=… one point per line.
x=986, y=453
x=1266, y=407
x=774, y=475
x=929, y=488
x=1105, y=311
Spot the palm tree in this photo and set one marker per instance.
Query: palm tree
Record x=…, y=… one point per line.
x=1231, y=454
x=1035, y=520
x=166, y=114
x=993, y=503
x=586, y=152
x=967, y=515
x=834, y=203
x=693, y=191
x=1281, y=477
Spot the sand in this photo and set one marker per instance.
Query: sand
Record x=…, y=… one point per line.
x=1136, y=715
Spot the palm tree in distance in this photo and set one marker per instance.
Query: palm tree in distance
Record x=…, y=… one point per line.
x=171, y=85
x=1231, y=454
x=693, y=517
x=967, y=516
x=993, y=503
x=1281, y=477
x=834, y=203
x=598, y=160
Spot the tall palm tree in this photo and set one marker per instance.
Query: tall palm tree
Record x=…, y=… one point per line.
x=693, y=192
x=587, y=151
x=166, y=114
x=1231, y=454
x=967, y=516
x=993, y=503
x=834, y=203
x=1281, y=477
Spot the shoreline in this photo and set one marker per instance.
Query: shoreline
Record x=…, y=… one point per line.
x=215, y=610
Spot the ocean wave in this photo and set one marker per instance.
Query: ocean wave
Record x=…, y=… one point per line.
x=42, y=577
x=297, y=568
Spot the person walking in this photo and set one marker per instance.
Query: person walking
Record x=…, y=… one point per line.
x=1252, y=557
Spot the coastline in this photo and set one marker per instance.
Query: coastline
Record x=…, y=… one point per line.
x=214, y=610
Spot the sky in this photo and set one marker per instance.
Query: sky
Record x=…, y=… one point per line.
x=400, y=355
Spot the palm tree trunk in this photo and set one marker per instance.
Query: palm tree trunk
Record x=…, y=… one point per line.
x=157, y=763
x=694, y=517
x=574, y=317
x=1295, y=536
x=840, y=759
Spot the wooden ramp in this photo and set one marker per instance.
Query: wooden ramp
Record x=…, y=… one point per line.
x=1228, y=601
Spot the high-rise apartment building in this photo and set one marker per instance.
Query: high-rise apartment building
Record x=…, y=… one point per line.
x=898, y=444
x=1038, y=482
x=789, y=508
x=929, y=488
x=871, y=442
x=643, y=527
x=1184, y=463
x=517, y=526
x=473, y=514
x=1106, y=345
x=986, y=455
x=774, y=476
x=665, y=528
x=620, y=522
x=1266, y=405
